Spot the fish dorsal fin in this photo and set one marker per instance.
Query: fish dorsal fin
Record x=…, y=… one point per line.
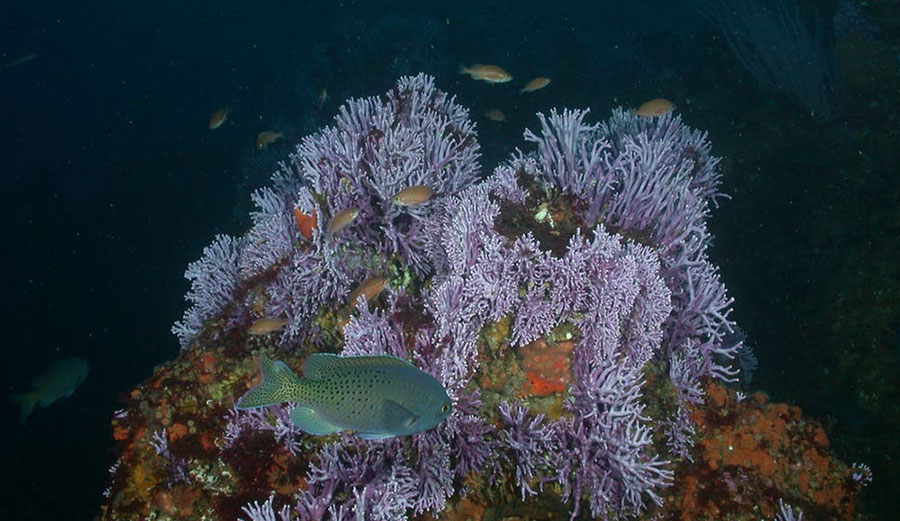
x=396, y=418
x=273, y=368
x=320, y=365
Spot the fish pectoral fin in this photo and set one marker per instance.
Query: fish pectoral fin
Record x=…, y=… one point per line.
x=396, y=416
x=310, y=422
x=374, y=435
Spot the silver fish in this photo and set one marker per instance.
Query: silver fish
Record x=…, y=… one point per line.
x=377, y=396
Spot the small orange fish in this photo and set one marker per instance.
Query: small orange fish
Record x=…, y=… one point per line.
x=323, y=97
x=266, y=138
x=655, y=107
x=488, y=73
x=341, y=220
x=370, y=288
x=219, y=117
x=267, y=325
x=305, y=223
x=538, y=83
x=495, y=115
x=413, y=196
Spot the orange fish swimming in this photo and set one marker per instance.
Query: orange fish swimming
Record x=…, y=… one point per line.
x=495, y=115
x=305, y=223
x=488, y=73
x=655, y=107
x=413, y=196
x=266, y=138
x=370, y=287
x=219, y=117
x=538, y=83
x=341, y=220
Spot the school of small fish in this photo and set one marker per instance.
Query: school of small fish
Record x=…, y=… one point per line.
x=487, y=73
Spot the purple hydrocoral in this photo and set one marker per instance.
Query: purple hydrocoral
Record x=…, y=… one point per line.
x=608, y=438
x=626, y=301
x=616, y=290
x=414, y=135
x=689, y=145
x=462, y=436
x=788, y=513
x=373, y=333
x=265, y=511
x=350, y=479
x=473, y=449
x=651, y=179
x=178, y=469
x=533, y=443
x=602, y=452
x=214, y=280
x=668, y=179
x=634, y=280
x=275, y=419
x=273, y=236
x=685, y=367
x=573, y=157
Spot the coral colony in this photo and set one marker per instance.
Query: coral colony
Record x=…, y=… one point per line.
x=566, y=303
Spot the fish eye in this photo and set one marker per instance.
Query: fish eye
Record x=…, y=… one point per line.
x=445, y=407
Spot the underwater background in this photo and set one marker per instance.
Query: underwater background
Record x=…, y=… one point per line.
x=112, y=182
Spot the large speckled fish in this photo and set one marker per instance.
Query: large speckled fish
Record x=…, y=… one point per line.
x=376, y=396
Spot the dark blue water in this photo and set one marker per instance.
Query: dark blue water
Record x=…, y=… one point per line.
x=110, y=183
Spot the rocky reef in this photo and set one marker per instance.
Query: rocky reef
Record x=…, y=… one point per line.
x=565, y=301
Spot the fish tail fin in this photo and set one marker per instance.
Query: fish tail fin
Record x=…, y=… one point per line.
x=279, y=384
x=26, y=402
x=463, y=69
